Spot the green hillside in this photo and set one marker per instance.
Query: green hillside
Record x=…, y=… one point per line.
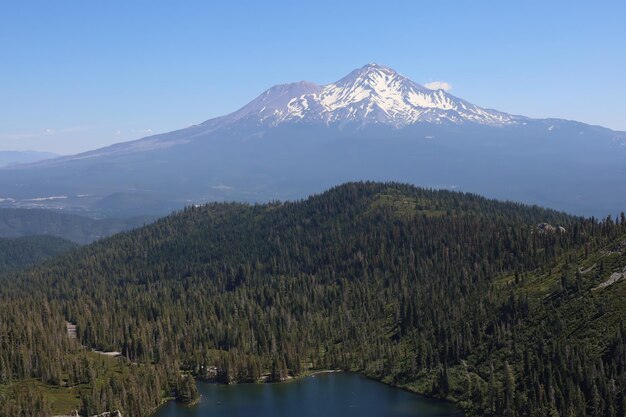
x=79, y=229
x=447, y=294
x=26, y=251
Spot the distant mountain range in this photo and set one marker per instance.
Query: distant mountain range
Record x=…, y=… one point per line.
x=22, y=157
x=297, y=139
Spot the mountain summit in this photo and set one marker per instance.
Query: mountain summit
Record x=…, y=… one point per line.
x=371, y=94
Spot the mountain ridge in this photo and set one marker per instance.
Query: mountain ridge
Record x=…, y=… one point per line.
x=12, y=158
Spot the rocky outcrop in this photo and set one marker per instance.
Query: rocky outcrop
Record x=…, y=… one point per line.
x=105, y=414
x=548, y=228
x=616, y=276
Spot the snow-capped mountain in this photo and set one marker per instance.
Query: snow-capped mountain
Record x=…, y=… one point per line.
x=371, y=94
x=301, y=138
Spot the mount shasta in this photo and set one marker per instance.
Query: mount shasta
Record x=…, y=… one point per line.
x=300, y=138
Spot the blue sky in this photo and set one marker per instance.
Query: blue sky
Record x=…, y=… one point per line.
x=75, y=75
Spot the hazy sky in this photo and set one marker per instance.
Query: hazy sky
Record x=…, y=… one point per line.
x=75, y=75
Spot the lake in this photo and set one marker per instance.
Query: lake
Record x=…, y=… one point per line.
x=328, y=395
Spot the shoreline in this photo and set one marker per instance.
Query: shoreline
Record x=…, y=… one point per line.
x=462, y=411
x=306, y=374
x=311, y=373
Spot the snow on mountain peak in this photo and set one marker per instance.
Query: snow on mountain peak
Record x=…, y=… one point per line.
x=371, y=94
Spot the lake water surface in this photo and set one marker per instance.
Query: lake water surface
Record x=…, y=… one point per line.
x=322, y=395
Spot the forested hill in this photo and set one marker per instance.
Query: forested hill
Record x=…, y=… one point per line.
x=26, y=251
x=497, y=306
x=80, y=229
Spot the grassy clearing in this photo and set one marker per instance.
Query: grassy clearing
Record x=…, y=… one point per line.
x=404, y=206
x=63, y=399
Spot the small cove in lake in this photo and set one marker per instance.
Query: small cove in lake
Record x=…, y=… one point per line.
x=337, y=394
